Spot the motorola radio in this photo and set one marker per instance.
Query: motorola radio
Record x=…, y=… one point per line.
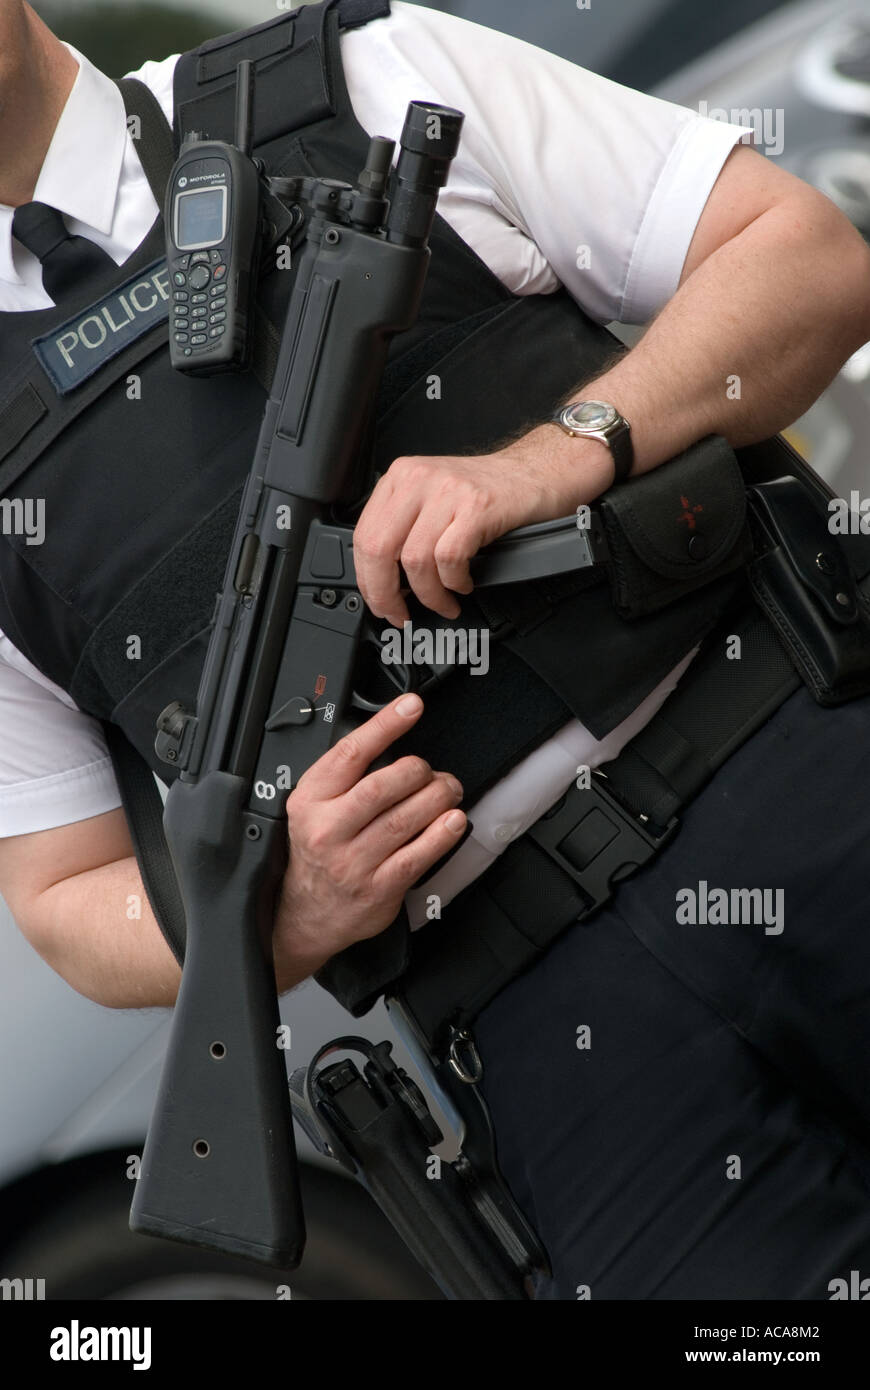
x=212, y=221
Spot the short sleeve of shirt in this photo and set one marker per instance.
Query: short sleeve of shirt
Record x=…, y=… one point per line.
x=603, y=184
x=55, y=766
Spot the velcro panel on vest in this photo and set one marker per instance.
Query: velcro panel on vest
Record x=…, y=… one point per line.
x=170, y=611
x=291, y=88
x=290, y=92
x=219, y=57
x=18, y=416
x=677, y=528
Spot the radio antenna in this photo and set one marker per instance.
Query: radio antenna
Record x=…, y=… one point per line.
x=245, y=106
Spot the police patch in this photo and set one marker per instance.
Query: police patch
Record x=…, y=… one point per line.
x=76, y=349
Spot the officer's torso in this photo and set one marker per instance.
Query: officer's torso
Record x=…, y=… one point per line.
x=141, y=468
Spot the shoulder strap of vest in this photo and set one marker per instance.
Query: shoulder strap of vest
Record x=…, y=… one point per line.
x=154, y=144
x=352, y=13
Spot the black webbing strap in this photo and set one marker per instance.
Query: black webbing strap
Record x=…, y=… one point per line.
x=567, y=864
x=143, y=806
x=737, y=681
x=153, y=140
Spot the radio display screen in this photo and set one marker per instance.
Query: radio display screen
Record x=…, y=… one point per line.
x=199, y=218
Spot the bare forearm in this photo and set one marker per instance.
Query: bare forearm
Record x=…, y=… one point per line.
x=97, y=930
x=749, y=341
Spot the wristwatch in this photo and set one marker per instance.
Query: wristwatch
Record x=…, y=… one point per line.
x=599, y=420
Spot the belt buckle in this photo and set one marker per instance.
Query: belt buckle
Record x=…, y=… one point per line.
x=597, y=840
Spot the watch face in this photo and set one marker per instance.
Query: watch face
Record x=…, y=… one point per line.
x=590, y=415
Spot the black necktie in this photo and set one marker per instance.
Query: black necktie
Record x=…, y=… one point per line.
x=68, y=262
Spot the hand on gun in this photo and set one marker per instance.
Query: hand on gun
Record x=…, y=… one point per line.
x=433, y=513
x=359, y=841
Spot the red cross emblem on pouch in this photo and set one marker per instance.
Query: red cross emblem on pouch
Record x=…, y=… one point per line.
x=688, y=512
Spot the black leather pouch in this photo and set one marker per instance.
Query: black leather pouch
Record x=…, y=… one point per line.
x=806, y=582
x=676, y=528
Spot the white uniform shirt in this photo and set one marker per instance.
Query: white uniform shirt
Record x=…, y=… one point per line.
x=553, y=159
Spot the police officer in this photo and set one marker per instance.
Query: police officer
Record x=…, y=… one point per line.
x=680, y=1154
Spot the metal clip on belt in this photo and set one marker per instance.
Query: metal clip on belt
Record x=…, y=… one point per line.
x=597, y=840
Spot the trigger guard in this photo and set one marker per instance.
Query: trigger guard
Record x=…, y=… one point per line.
x=360, y=702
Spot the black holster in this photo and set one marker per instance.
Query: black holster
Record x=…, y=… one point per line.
x=809, y=585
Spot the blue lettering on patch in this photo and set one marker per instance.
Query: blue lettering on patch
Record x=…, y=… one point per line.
x=76, y=349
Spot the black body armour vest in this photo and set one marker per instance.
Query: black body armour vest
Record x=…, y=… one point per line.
x=142, y=479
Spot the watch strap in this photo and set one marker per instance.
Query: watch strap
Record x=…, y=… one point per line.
x=622, y=451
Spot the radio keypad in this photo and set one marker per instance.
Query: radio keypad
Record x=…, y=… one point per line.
x=199, y=307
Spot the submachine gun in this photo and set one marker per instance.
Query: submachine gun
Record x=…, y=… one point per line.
x=219, y=1165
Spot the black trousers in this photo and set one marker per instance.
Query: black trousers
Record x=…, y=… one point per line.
x=712, y=1140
